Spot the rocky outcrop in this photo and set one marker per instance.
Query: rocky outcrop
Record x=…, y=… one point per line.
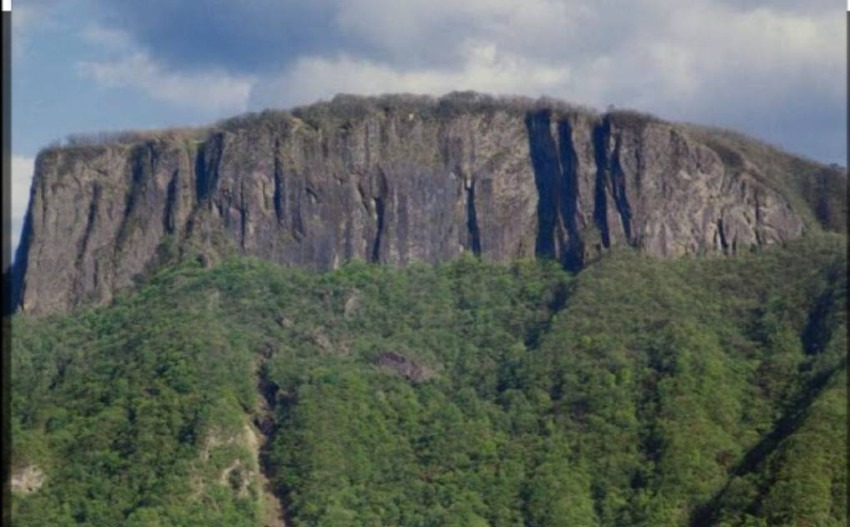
x=392, y=180
x=27, y=479
x=404, y=367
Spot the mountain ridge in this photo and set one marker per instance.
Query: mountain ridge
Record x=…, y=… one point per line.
x=399, y=179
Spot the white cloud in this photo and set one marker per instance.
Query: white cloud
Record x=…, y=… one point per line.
x=22, y=171
x=30, y=17
x=704, y=57
x=432, y=32
x=485, y=69
x=105, y=37
x=25, y=19
x=680, y=59
x=214, y=90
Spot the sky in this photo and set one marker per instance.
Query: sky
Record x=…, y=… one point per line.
x=774, y=69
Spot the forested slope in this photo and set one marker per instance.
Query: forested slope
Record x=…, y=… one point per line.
x=699, y=391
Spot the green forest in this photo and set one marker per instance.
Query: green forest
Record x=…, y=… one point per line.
x=636, y=392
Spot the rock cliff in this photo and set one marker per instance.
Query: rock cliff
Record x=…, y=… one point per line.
x=401, y=179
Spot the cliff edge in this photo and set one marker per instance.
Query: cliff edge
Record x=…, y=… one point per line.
x=401, y=179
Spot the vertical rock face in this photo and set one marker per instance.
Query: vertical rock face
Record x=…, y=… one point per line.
x=393, y=180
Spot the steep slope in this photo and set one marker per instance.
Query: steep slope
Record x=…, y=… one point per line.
x=402, y=179
x=698, y=391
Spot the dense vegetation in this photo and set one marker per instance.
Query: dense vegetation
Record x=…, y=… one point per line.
x=637, y=392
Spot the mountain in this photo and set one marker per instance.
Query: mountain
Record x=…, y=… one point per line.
x=684, y=392
x=464, y=311
x=403, y=179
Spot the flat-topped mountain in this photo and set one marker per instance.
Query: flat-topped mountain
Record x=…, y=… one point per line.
x=400, y=179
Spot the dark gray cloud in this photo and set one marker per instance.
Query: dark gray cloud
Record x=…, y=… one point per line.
x=798, y=122
x=247, y=36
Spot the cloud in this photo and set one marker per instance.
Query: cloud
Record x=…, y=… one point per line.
x=761, y=46
x=29, y=17
x=215, y=90
x=432, y=33
x=671, y=53
x=745, y=63
x=791, y=6
x=639, y=51
x=485, y=69
x=32, y=13
x=778, y=74
x=125, y=64
x=22, y=171
x=111, y=38
x=23, y=20
x=243, y=37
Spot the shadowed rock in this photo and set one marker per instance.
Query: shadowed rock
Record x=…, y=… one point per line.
x=405, y=367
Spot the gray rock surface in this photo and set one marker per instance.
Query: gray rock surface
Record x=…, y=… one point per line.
x=402, y=179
